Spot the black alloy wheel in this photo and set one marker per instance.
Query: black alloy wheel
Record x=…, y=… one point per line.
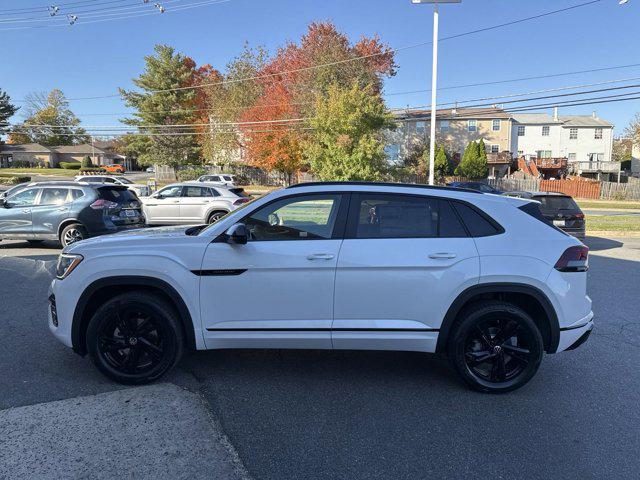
x=215, y=216
x=497, y=347
x=135, y=338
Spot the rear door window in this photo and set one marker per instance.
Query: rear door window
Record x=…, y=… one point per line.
x=197, y=192
x=54, y=196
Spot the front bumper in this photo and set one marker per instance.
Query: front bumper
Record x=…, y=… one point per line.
x=58, y=315
x=573, y=336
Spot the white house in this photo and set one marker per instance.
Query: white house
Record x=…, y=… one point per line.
x=585, y=140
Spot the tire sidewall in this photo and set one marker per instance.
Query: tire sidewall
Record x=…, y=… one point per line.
x=470, y=319
x=78, y=227
x=172, y=333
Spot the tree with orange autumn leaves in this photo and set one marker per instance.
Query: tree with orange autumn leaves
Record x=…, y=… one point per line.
x=275, y=130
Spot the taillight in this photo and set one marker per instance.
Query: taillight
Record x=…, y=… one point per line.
x=240, y=201
x=101, y=204
x=574, y=259
x=579, y=215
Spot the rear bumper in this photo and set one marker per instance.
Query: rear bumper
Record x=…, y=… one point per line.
x=575, y=335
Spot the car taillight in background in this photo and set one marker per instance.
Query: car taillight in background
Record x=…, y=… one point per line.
x=574, y=259
x=240, y=201
x=102, y=204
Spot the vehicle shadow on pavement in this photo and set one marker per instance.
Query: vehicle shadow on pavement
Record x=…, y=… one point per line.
x=600, y=243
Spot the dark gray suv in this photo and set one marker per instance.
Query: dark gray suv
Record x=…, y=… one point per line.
x=68, y=211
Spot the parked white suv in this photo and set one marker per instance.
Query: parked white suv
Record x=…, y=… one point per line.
x=140, y=189
x=481, y=277
x=223, y=179
x=191, y=203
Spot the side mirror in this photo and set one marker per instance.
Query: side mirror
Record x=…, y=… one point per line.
x=238, y=234
x=3, y=202
x=159, y=196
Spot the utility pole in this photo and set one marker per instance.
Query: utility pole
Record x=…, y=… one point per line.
x=434, y=81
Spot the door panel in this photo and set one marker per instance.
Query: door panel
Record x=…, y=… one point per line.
x=193, y=203
x=393, y=292
x=15, y=214
x=165, y=210
x=51, y=209
x=277, y=290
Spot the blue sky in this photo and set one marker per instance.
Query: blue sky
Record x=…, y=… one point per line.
x=96, y=59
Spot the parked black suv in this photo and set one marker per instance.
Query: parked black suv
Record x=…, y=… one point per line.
x=559, y=209
x=68, y=211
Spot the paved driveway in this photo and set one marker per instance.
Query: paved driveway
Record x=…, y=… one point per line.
x=366, y=415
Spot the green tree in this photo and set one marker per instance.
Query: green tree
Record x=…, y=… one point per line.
x=86, y=162
x=6, y=111
x=442, y=164
x=474, y=162
x=162, y=107
x=346, y=141
x=49, y=121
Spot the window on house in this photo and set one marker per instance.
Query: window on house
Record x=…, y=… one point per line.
x=545, y=131
x=543, y=153
x=598, y=134
x=520, y=152
x=596, y=157
x=472, y=125
x=393, y=152
x=495, y=126
x=495, y=148
x=572, y=157
x=444, y=126
x=521, y=130
x=421, y=127
x=573, y=134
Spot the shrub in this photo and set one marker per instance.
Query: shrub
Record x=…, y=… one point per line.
x=21, y=164
x=189, y=174
x=86, y=162
x=9, y=179
x=70, y=165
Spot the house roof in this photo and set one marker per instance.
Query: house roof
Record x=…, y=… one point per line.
x=456, y=114
x=83, y=149
x=24, y=147
x=566, y=121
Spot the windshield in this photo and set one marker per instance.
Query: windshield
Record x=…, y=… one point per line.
x=125, y=181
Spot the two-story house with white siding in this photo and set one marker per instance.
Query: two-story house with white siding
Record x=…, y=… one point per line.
x=585, y=140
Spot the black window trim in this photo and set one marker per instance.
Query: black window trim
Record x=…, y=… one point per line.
x=351, y=226
x=338, y=227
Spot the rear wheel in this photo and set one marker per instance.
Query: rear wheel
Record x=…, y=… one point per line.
x=72, y=233
x=215, y=216
x=135, y=338
x=496, y=347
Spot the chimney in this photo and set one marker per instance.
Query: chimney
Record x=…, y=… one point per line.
x=555, y=114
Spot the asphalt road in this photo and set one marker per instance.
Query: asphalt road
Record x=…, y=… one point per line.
x=367, y=415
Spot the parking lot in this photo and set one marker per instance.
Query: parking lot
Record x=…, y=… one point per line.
x=304, y=414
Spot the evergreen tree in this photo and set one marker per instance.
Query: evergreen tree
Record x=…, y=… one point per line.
x=6, y=111
x=474, y=161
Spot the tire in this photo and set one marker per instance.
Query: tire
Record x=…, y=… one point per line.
x=135, y=338
x=215, y=216
x=72, y=233
x=496, y=347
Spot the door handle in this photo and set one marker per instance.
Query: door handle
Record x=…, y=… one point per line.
x=26, y=210
x=62, y=209
x=320, y=256
x=442, y=255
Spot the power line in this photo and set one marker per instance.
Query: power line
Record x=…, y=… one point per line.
x=47, y=14
x=44, y=7
x=348, y=60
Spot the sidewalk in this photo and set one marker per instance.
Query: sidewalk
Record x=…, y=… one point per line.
x=157, y=431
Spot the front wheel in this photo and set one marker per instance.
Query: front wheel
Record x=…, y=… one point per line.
x=135, y=338
x=496, y=347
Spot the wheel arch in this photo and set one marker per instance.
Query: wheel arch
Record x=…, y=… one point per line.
x=107, y=287
x=66, y=222
x=213, y=210
x=530, y=298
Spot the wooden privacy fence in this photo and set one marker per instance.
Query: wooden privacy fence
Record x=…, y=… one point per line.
x=575, y=188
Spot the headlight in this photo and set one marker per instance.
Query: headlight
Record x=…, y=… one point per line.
x=67, y=262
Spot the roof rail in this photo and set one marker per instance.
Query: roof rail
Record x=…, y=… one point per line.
x=386, y=184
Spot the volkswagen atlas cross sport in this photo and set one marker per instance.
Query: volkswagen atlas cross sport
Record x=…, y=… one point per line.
x=482, y=278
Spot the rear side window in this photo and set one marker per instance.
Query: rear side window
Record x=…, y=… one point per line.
x=53, y=196
x=118, y=195
x=477, y=224
x=76, y=194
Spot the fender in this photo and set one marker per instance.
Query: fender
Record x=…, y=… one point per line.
x=483, y=288
x=78, y=326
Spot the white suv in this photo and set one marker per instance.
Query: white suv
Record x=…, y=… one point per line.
x=140, y=189
x=191, y=203
x=370, y=266
x=223, y=179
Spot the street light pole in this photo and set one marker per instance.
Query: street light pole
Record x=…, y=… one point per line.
x=434, y=81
